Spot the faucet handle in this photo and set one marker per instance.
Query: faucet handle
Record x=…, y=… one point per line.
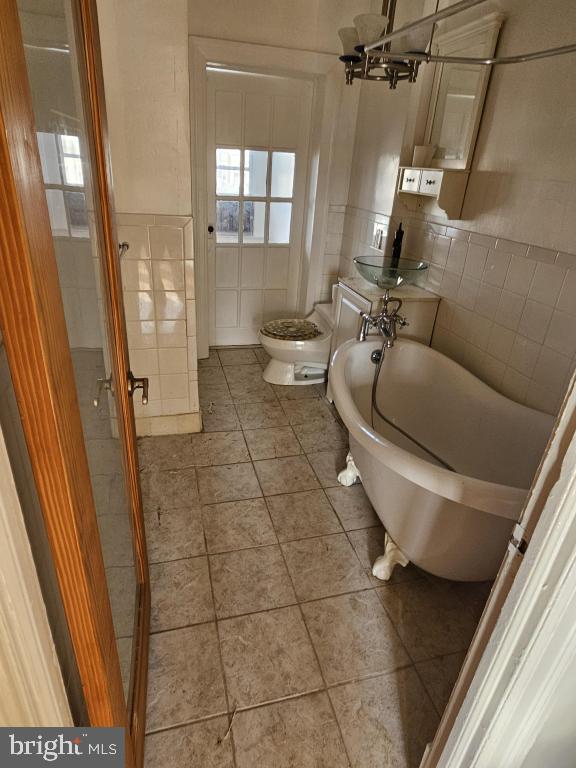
x=402, y=322
x=387, y=300
x=366, y=322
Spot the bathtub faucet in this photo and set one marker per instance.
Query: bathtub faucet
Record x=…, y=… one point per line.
x=386, y=322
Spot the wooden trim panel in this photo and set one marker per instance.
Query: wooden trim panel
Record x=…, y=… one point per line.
x=97, y=129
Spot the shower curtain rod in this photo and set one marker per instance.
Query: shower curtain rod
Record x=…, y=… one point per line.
x=430, y=58
x=432, y=19
x=517, y=59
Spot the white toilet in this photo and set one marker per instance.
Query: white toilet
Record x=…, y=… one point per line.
x=299, y=349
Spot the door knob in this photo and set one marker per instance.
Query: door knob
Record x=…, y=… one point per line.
x=135, y=383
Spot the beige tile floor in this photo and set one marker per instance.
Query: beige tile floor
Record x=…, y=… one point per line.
x=272, y=644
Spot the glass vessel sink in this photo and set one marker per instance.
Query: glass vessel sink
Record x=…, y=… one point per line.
x=379, y=270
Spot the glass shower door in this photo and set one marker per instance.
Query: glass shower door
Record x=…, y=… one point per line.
x=92, y=300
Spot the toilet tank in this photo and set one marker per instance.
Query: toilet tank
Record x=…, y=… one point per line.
x=326, y=312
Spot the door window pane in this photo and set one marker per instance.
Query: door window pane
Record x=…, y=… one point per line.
x=254, y=221
x=71, y=161
x=77, y=214
x=57, y=211
x=283, y=174
x=227, y=219
x=49, y=158
x=255, y=172
x=70, y=144
x=280, y=219
x=227, y=171
x=73, y=171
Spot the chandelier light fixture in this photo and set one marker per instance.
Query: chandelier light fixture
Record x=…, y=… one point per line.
x=373, y=50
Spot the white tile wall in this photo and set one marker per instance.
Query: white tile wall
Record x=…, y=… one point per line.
x=333, y=248
x=508, y=309
x=78, y=274
x=351, y=230
x=160, y=306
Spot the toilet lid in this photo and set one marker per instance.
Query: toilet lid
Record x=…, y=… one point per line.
x=293, y=330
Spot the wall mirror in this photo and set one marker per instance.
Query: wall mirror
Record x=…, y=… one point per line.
x=459, y=90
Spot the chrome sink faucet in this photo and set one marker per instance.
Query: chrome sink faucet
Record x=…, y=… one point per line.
x=385, y=322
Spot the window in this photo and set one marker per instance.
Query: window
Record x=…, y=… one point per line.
x=64, y=182
x=228, y=171
x=254, y=191
x=227, y=219
x=282, y=174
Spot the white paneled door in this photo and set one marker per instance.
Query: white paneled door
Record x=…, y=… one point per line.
x=258, y=136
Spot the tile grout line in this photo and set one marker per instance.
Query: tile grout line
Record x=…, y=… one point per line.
x=220, y=657
x=177, y=559
x=186, y=724
x=288, y=541
x=290, y=697
x=291, y=605
x=368, y=572
x=316, y=535
x=414, y=663
x=428, y=694
x=208, y=552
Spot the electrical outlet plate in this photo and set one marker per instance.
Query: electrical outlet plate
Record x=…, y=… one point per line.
x=378, y=236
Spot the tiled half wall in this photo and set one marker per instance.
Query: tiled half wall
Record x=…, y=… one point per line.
x=508, y=309
x=160, y=307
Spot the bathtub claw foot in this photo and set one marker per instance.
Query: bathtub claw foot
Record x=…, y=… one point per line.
x=350, y=475
x=385, y=564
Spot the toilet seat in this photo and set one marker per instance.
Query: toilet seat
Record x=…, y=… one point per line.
x=299, y=349
x=291, y=329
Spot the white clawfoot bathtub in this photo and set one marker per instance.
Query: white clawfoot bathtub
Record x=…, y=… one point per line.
x=453, y=523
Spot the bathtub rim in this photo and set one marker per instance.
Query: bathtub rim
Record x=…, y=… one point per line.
x=491, y=498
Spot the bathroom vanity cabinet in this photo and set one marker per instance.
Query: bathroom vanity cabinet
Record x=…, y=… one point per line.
x=353, y=296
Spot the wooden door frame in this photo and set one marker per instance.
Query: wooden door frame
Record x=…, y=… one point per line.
x=86, y=20
x=35, y=336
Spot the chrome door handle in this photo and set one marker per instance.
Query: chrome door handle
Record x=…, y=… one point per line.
x=122, y=248
x=101, y=384
x=135, y=383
